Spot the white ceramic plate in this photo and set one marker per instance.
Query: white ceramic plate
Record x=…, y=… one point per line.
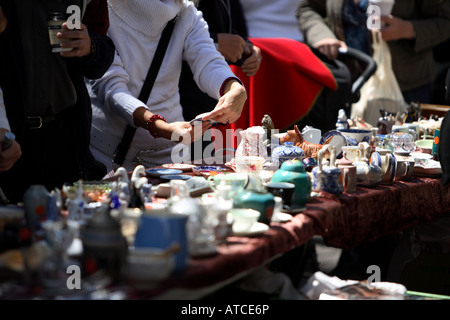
x=433, y=168
x=159, y=172
x=338, y=140
x=257, y=229
x=179, y=166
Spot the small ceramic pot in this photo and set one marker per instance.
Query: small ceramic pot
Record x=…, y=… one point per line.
x=259, y=200
x=327, y=178
x=285, y=152
x=160, y=229
x=293, y=171
x=348, y=170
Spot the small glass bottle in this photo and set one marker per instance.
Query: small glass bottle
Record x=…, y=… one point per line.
x=221, y=207
x=199, y=236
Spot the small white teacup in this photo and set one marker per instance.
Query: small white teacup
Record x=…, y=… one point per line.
x=244, y=219
x=351, y=152
x=249, y=164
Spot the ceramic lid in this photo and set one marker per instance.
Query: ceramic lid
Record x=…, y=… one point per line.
x=288, y=149
x=294, y=165
x=402, y=152
x=344, y=161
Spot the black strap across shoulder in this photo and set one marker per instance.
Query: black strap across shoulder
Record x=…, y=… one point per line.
x=124, y=145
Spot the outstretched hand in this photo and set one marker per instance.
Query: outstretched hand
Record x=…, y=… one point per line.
x=230, y=105
x=185, y=132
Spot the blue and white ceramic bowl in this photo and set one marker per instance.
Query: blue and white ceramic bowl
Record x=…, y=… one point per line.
x=360, y=135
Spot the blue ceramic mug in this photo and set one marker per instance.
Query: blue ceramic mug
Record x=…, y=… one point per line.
x=160, y=229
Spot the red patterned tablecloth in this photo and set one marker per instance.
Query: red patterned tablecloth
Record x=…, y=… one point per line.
x=344, y=221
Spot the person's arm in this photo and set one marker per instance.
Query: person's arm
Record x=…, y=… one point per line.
x=91, y=44
x=9, y=156
x=231, y=46
x=428, y=30
x=311, y=15
x=4, y=123
x=231, y=103
x=3, y=21
x=252, y=60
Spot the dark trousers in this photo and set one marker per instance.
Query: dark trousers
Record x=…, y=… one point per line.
x=48, y=158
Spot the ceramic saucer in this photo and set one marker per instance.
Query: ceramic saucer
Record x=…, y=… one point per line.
x=175, y=176
x=159, y=172
x=283, y=217
x=179, y=166
x=208, y=170
x=257, y=229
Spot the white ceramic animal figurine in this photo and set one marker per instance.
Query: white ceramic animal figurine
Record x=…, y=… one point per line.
x=122, y=185
x=138, y=178
x=342, y=122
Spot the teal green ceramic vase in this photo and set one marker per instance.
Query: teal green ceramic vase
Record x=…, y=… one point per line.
x=293, y=171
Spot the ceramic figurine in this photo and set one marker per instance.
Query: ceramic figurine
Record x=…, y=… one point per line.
x=342, y=122
x=310, y=149
x=122, y=186
x=268, y=127
x=139, y=177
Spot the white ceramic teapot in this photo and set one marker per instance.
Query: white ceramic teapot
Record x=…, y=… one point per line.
x=367, y=174
x=386, y=160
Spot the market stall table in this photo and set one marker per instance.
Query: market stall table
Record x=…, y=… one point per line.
x=344, y=221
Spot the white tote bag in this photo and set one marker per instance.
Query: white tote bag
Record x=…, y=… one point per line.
x=381, y=91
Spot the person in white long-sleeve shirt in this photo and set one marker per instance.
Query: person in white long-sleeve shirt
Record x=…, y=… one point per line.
x=135, y=28
x=272, y=18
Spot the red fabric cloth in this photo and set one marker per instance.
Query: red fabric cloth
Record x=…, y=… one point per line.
x=344, y=221
x=288, y=82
